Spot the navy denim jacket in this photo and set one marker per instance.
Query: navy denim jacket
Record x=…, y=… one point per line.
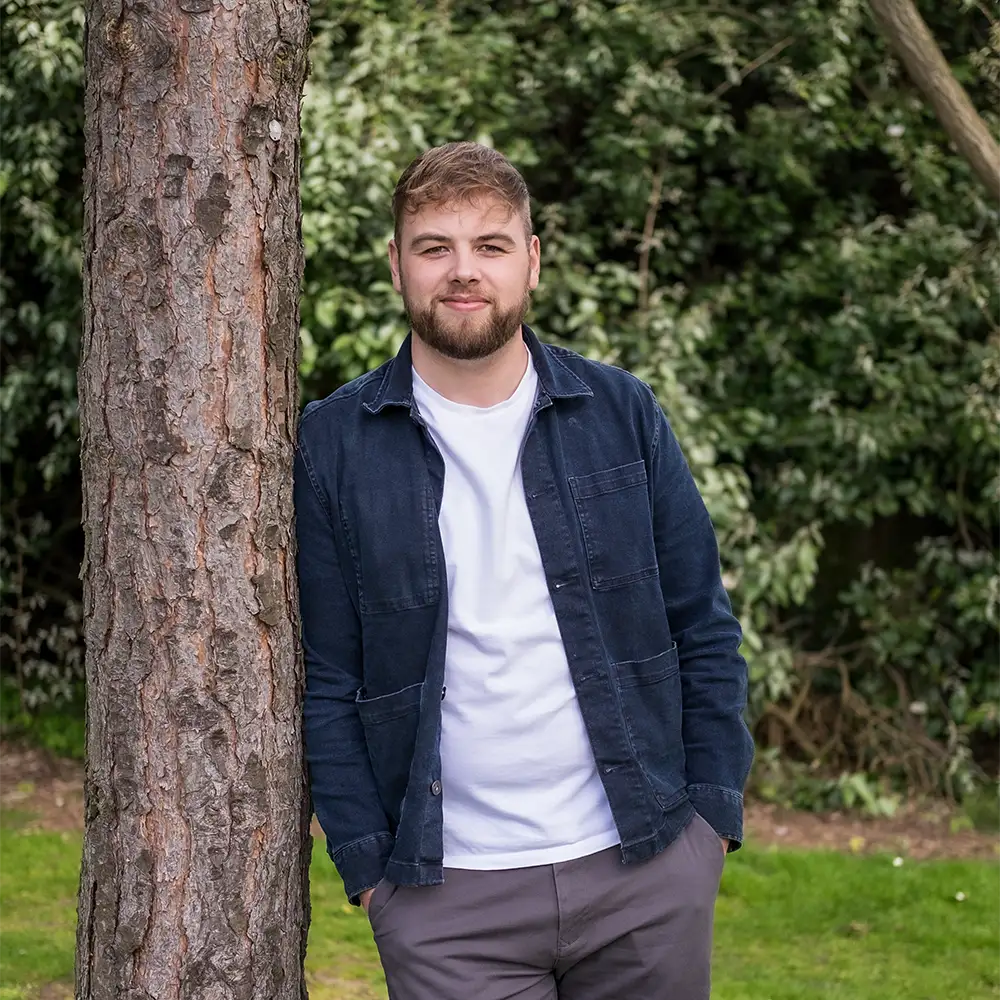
x=633, y=569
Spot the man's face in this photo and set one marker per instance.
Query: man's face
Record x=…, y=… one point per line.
x=465, y=271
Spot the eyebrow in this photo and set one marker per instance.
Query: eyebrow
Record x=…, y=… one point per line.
x=439, y=238
x=495, y=238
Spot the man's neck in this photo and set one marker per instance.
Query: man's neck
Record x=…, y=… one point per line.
x=483, y=382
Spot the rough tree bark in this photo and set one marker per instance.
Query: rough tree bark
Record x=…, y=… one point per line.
x=194, y=880
x=911, y=39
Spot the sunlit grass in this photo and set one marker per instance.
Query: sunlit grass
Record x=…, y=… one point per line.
x=790, y=925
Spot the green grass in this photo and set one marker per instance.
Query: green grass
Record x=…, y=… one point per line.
x=341, y=961
x=793, y=925
x=38, y=884
x=789, y=926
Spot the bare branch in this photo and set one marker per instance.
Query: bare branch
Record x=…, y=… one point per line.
x=911, y=39
x=774, y=50
x=648, y=229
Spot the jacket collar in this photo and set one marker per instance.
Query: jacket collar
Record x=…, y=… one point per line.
x=555, y=380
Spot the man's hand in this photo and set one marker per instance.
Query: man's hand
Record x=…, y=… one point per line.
x=366, y=898
x=725, y=845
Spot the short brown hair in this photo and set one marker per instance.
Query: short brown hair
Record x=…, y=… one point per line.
x=459, y=171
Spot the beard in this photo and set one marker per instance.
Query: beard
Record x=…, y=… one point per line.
x=467, y=338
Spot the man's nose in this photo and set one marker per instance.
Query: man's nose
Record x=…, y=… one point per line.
x=464, y=265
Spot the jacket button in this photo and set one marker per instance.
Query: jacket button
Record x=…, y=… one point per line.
x=435, y=788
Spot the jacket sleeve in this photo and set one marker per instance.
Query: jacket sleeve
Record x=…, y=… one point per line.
x=718, y=746
x=342, y=783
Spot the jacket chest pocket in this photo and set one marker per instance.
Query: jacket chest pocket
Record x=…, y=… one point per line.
x=392, y=534
x=617, y=525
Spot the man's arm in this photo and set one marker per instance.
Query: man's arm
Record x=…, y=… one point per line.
x=344, y=794
x=718, y=746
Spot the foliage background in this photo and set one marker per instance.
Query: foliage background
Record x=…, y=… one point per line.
x=747, y=205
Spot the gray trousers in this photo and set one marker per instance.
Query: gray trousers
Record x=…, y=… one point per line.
x=589, y=929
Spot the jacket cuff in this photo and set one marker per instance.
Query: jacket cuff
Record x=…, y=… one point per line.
x=722, y=808
x=362, y=862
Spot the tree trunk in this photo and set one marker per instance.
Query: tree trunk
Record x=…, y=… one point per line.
x=196, y=852
x=905, y=30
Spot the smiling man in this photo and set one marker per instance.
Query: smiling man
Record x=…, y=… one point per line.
x=524, y=691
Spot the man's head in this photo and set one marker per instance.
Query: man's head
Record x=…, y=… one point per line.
x=463, y=255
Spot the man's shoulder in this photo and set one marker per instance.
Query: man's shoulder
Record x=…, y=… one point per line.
x=599, y=375
x=602, y=379
x=350, y=396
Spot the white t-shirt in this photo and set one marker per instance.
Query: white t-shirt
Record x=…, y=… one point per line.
x=520, y=785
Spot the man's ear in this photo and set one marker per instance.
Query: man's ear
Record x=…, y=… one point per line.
x=394, y=265
x=534, y=262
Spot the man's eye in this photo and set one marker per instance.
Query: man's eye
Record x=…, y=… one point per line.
x=433, y=251
x=494, y=249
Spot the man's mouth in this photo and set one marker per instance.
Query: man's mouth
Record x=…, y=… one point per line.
x=465, y=303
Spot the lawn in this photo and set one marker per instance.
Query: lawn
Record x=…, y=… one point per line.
x=790, y=925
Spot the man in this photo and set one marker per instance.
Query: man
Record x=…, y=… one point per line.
x=524, y=696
